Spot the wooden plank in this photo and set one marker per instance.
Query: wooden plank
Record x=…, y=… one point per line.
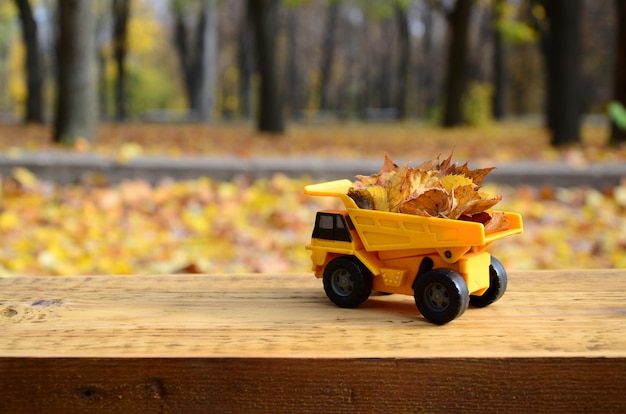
x=275, y=343
x=564, y=313
x=178, y=385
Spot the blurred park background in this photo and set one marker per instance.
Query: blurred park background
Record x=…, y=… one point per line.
x=497, y=82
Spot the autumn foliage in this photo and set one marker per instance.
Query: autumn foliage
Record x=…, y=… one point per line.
x=136, y=228
x=261, y=225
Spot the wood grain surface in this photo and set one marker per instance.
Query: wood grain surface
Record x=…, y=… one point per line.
x=245, y=343
x=565, y=313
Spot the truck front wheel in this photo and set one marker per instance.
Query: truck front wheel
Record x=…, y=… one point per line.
x=347, y=282
x=441, y=295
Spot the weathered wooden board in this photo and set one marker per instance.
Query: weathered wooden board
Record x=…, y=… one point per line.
x=545, y=313
x=240, y=343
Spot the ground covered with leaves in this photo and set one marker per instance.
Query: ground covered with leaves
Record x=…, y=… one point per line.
x=262, y=225
x=410, y=141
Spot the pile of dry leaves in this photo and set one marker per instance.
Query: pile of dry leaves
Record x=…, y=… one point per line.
x=436, y=188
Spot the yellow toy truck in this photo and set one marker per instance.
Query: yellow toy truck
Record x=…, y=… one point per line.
x=441, y=262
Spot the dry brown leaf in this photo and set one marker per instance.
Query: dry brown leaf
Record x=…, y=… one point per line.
x=388, y=166
x=471, y=202
x=498, y=222
x=465, y=197
x=480, y=205
x=365, y=180
x=445, y=165
x=434, y=202
x=431, y=165
x=482, y=218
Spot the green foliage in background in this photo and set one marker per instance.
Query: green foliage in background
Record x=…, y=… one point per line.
x=513, y=30
x=617, y=114
x=149, y=88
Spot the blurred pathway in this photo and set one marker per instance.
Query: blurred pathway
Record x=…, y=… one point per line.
x=64, y=168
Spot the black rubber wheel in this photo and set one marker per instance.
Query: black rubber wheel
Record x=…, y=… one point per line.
x=441, y=295
x=497, y=286
x=347, y=282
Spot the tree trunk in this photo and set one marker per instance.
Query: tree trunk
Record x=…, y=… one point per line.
x=245, y=62
x=328, y=52
x=562, y=49
x=209, y=56
x=404, y=61
x=34, y=67
x=199, y=62
x=103, y=85
x=427, y=93
x=184, y=53
x=76, y=107
x=265, y=21
x=121, y=12
x=619, y=94
x=458, y=22
x=498, y=60
x=292, y=64
x=386, y=74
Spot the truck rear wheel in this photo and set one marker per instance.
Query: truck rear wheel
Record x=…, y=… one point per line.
x=441, y=295
x=347, y=282
x=497, y=285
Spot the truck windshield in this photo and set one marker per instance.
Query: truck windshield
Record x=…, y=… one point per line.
x=331, y=226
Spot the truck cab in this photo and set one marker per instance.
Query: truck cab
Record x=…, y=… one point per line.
x=334, y=226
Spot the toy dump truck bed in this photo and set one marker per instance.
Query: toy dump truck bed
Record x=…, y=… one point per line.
x=382, y=230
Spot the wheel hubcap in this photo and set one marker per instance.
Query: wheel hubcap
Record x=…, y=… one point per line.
x=342, y=282
x=437, y=296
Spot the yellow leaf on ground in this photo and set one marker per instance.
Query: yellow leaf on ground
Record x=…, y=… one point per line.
x=128, y=151
x=9, y=220
x=24, y=177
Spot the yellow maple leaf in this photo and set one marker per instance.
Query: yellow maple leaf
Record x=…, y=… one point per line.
x=397, y=189
x=371, y=198
x=453, y=181
x=422, y=179
x=476, y=176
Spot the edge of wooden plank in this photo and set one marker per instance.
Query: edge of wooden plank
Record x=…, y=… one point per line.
x=309, y=385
